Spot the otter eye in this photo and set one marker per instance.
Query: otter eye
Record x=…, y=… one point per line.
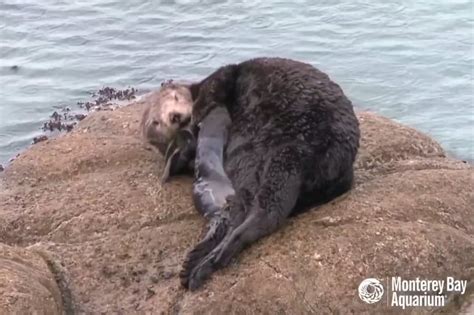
x=155, y=122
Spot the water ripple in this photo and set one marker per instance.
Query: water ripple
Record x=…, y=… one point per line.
x=411, y=61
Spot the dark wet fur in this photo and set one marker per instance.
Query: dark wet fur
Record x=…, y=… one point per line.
x=292, y=144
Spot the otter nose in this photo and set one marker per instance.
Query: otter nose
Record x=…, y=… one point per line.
x=176, y=118
x=180, y=119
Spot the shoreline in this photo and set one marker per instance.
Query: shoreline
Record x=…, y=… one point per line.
x=109, y=99
x=65, y=117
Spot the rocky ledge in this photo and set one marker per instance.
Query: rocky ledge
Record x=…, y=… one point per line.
x=86, y=227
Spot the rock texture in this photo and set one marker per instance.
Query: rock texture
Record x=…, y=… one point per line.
x=92, y=200
x=27, y=284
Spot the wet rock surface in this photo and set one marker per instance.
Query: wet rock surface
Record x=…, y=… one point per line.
x=93, y=198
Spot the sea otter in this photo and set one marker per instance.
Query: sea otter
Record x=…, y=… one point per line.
x=292, y=142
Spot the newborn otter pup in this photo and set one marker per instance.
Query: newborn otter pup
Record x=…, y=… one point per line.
x=211, y=185
x=212, y=188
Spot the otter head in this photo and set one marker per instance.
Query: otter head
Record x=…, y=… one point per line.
x=168, y=111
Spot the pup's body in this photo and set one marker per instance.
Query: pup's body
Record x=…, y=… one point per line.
x=212, y=186
x=204, y=155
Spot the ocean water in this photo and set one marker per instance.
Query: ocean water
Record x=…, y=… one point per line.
x=409, y=60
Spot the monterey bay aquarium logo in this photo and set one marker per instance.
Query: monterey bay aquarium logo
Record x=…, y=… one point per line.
x=370, y=290
x=403, y=293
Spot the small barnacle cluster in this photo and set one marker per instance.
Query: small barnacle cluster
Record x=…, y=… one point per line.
x=167, y=83
x=59, y=122
x=104, y=99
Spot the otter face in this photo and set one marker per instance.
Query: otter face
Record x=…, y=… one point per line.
x=168, y=110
